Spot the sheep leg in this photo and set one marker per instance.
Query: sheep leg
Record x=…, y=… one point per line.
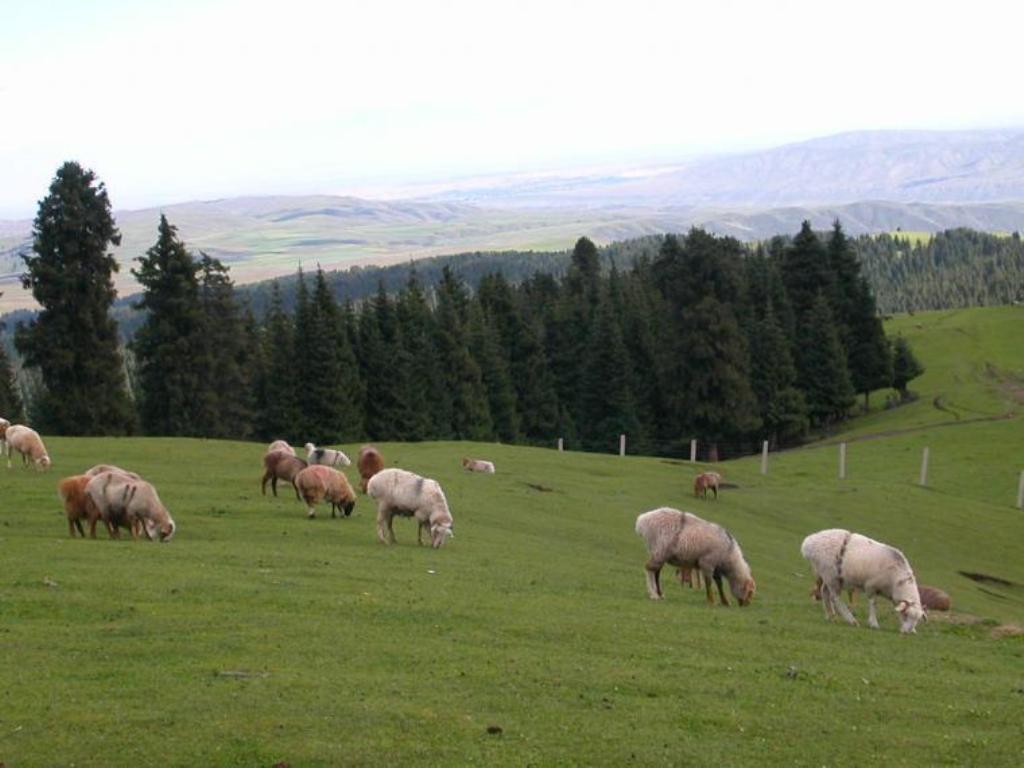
x=718, y=583
x=826, y=600
x=707, y=586
x=653, y=572
x=419, y=532
x=385, y=530
x=71, y=527
x=844, y=611
x=872, y=615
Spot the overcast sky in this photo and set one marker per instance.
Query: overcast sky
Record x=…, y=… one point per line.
x=193, y=100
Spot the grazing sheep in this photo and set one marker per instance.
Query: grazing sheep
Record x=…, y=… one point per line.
x=845, y=560
x=281, y=445
x=934, y=599
x=408, y=495
x=316, y=483
x=77, y=504
x=816, y=591
x=99, y=469
x=4, y=424
x=478, y=465
x=123, y=500
x=688, y=542
x=369, y=463
x=704, y=481
x=281, y=465
x=326, y=456
x=27, y=442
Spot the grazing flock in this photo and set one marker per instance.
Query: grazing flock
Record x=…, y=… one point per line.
x=700, y=550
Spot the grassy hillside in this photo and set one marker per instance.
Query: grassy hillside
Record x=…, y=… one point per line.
x=259, y=636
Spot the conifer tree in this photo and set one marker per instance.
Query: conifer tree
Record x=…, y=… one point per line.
x=73, y=341
x=807, y=271
x=501, y=395
x=384, y=373
x=10, y=398
x=424, y=388
x=782, y=407
x=905, y=366
x=821, y=364
x=470, y=414
x=170, y=346
x=278, y=408
x=227, y=399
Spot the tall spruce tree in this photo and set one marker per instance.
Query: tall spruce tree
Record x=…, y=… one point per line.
x=807, y=271
x=821, y=364
x=501, y=395
x=782, y=407
x=170, y=347
x=11, y=407
x=73, y=341
x=277, y=414
x=424, y=388
x=905, y=366
x=228, y=402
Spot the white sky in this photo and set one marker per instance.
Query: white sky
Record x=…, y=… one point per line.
x=194, y=99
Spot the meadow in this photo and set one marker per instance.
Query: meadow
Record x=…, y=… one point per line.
x=259, y=637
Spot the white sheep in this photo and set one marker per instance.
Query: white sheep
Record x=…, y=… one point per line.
x=121, y=499
x=99, y=469
x=686, y=541
x=4, y=424
x=326, y=456
x=478, y=465
x=28, y=443
x=280, y=445
x=845, y=560
x=408, y=495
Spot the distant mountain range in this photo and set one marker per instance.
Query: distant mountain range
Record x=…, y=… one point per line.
x=871, y=181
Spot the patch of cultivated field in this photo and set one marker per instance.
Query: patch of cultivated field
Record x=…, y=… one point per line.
x=258, y=636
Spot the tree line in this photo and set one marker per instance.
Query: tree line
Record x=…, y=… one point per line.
x=701, y=339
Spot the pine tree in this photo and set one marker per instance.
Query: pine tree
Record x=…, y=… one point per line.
x=905, y=366
x=471, y=416
x=170, y=346
x=424, y=388
x=807, y=271
x=11, y=407
x=821, y=365
x=278, y=408
x=227, y=403
x=384, y=371
x=773, y=377
x=494, y=370
x=74, y=342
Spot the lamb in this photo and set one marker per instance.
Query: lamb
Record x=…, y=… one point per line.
x=369, y=463
x=845, y=560
x=281, y=445
x=327, y=456
x=689, y=542
x=121, y=499
x=27, y=442
x=281, y=465
x=706, y=480
x=77, y=504
x=316, y=483
x=408, y=495
x=478, y=465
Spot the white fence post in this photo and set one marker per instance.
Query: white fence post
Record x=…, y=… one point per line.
x=693, y=450
x=764, y=458
x=842, y=461
x=622, y=445
x=560, y=445
x=924, y=466
x=1020, y=491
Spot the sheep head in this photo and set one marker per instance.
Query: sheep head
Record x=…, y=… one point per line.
x=44, y=461
x=348, y=506
x=910, y=615
x=440, y=533
x=746, y=592
x=162, y=532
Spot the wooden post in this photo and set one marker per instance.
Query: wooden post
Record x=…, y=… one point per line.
x=764, y=458
x=622, y=445
x=560, y=445
x=842, y=461
x=1020, y=491
x=693, y=450
x=924, y=466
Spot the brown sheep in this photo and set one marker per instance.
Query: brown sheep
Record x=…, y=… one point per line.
x=704, y=481
x=281, y=465
x=370, y=462
x=77, y=504
x=934, y=599
x=318, y=482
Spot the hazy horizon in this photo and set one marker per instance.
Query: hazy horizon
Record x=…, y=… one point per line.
x=196, y=100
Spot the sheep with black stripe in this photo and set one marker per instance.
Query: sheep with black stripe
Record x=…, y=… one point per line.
x=406, y=494
x=689, y=542
x=846, y=560
x=327, y=456
x=123, y=500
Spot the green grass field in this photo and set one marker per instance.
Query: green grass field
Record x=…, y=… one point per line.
x=258, y=636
